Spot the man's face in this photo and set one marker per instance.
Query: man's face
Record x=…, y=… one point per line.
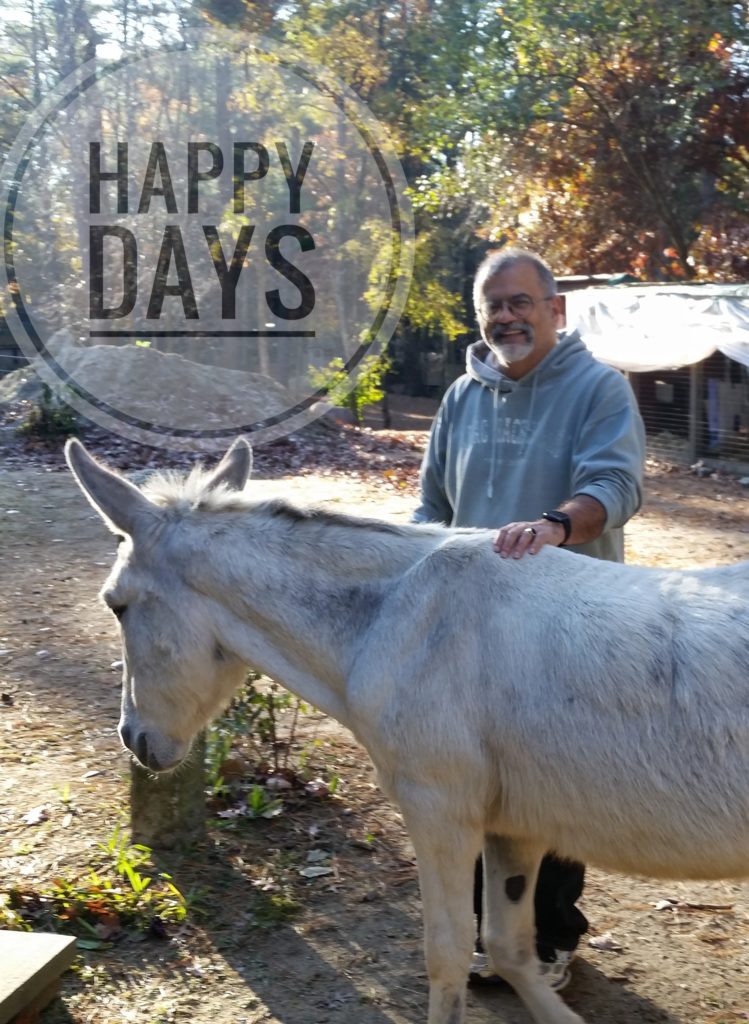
x=518, y=318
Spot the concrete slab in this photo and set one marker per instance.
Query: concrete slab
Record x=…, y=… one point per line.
x=30, y=966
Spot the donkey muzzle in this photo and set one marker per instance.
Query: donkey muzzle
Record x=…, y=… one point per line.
x=137, y=744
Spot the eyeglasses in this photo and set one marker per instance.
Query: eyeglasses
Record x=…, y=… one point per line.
x=519, y=306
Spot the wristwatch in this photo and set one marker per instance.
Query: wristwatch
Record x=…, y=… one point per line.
x=563, y=519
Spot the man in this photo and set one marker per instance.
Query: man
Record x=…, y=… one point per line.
x=542, y=441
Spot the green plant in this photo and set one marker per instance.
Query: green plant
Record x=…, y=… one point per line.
x=101, y=903
x=50, y=418
x=218, y=745
x=275, y=908
x=254, y=714
x=261, y=805
x=268, y=705
x=11, y=919
x=352, y=394
x=333, y=784
x=305, y=754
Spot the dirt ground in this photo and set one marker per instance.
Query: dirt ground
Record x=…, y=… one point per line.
x=353, y=951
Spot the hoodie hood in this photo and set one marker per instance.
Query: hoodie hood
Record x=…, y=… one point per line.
x=568, y=347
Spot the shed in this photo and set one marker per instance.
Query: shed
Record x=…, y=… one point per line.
x=685, y=349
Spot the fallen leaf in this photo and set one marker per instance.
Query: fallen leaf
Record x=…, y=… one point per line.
x=317, y=788
x=232, y=767
x=315, y=872
x=665, y=905
x=277, y=782
x=107, y=927
x=36, y=815
x=316, y=856
x=606, y=943
x=233, y=812
x=273, y=812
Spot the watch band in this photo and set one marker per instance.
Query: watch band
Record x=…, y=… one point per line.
x=563, y=519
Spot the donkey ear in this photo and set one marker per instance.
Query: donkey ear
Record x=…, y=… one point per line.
x=119, y=502
x=234, y=469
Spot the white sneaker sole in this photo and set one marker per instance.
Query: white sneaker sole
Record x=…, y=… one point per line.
x=557, y=974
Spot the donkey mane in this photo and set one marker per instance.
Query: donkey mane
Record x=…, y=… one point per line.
x=192, y=492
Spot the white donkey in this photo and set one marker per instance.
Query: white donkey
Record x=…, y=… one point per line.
x=556, y=702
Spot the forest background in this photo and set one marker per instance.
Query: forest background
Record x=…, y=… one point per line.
x=613, y=136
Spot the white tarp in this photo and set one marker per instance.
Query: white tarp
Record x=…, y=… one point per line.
x=658, y=327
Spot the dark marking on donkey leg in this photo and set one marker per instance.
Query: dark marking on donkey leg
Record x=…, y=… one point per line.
x=515, y=887
x=456, y=1011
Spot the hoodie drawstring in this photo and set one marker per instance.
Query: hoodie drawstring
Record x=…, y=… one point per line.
x=490, y=484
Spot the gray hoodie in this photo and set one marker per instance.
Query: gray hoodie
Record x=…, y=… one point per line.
x=503, y=451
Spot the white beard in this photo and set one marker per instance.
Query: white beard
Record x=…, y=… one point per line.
x=511, y=352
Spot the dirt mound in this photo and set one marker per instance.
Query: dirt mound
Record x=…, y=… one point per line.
x=153, y=386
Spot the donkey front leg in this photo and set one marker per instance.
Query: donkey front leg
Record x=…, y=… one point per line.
x=510, y=873
x=446, y=852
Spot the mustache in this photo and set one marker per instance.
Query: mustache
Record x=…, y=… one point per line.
x=499, y=330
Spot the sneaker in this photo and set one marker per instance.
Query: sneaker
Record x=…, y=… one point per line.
x=556, y=973
x=481, y=971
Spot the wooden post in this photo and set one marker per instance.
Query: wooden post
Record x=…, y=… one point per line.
x=695, y=409
x=168, y=811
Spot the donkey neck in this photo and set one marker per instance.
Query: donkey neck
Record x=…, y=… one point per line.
x=299, y=590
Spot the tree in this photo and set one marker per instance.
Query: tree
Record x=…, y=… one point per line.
x=606, y=133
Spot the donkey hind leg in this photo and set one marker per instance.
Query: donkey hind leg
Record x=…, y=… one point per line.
x=446, y=852
x=510, y=870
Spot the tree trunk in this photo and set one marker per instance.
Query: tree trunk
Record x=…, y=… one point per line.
x=168, y=811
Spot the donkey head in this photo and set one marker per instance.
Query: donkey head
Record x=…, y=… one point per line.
x=176, y=675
